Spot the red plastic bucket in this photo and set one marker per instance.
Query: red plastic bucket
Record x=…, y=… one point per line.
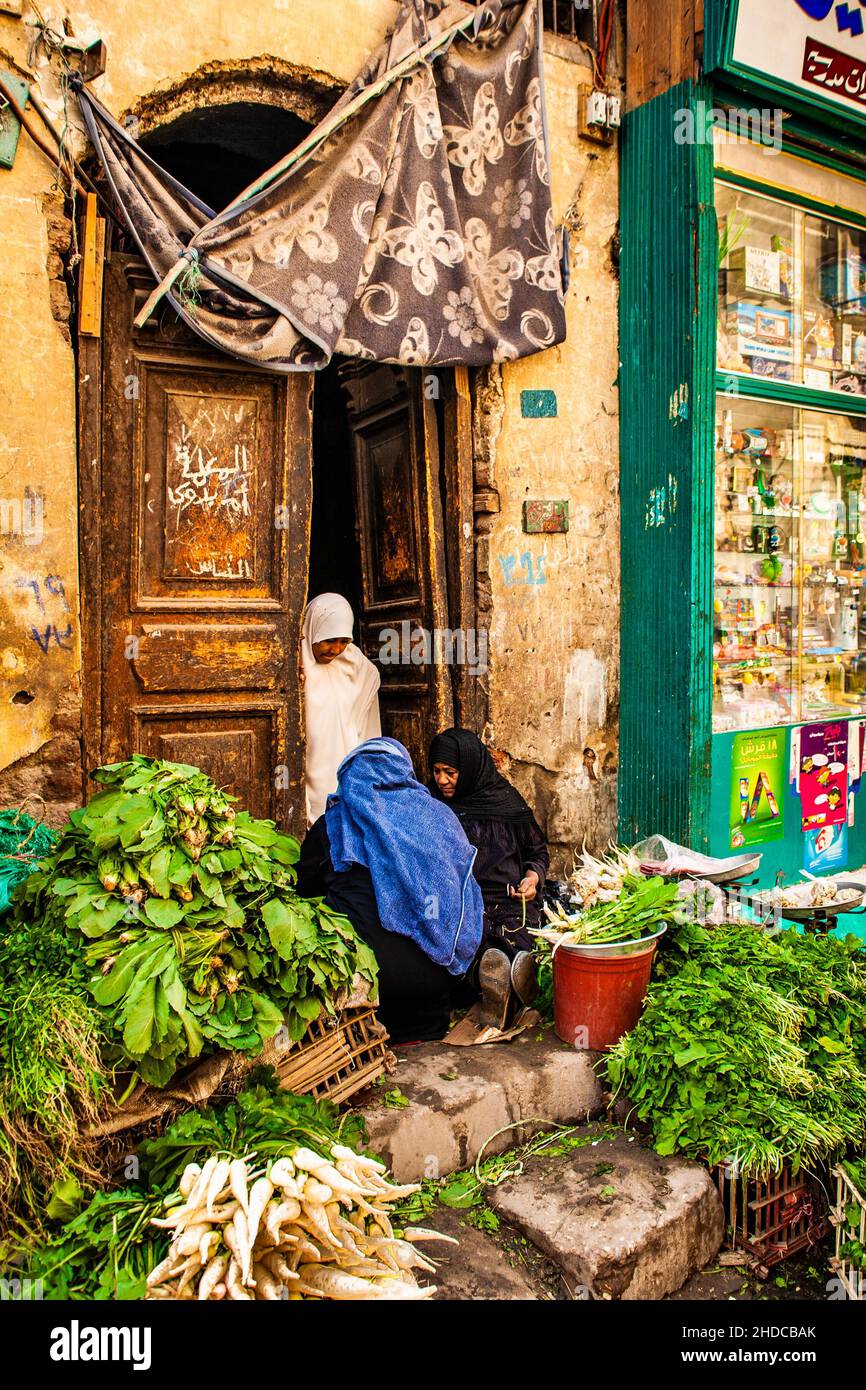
x=597, y=998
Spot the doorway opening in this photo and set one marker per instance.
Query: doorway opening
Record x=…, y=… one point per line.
x=335, y=556
x=192, y=649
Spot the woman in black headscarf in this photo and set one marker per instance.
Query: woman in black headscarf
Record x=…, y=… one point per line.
x=512, y=860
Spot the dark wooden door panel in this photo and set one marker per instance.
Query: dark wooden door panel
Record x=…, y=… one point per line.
x=181, y=657
x=400, y=531
x=205, y=503
x=207, y=475
x=234, y=748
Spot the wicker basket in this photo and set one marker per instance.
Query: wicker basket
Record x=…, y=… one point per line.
x=772, y=1218
x=335, y=1058
x=847, y=1229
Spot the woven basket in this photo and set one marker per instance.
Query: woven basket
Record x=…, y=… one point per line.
x=335, y=1058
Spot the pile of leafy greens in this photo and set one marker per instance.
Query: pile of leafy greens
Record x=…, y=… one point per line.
x=102, y=1246
x=751, y=1049
x=183, y=921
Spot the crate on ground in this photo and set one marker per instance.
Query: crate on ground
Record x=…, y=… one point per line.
x=336, y=1057
x=849, y=1218
x=772, y=1218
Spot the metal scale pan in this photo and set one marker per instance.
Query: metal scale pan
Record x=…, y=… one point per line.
x=820, y=918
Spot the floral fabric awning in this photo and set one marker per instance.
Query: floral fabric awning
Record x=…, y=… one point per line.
x=414, y=225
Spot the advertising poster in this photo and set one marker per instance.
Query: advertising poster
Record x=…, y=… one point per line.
x=824, y=775
x=825, y=850
x=757, y=787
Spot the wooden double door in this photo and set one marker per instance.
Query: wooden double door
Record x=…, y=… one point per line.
x=196, y=496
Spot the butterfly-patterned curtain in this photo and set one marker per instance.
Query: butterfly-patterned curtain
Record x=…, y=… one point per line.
x=417, y=230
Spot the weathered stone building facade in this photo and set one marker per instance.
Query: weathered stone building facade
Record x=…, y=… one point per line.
x=549, y=700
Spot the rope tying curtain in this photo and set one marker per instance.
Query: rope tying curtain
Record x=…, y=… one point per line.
x=413, y=225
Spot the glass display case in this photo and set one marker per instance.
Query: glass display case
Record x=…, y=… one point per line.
x=789, y=626
x=789, y=623
x=792, y=294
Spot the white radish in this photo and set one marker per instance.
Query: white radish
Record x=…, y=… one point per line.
x=317, y=1220
x=213, y=1277
x=190, y=1238
x=234, y=1283
x=281, y=1214
x=318, y=1192
x=208, y=1247
x=259, y=1197
x=397, y=1289
x=165, y=1270
x=244, y=1250
x=408, y=1257
x=238, y=1182
x=332, y=1283
x=219, y=1178
x=188, y=1272
x=340, y=1151
x=267, y=1287
x=278, y=1266
x=200, y=1186
x=421, y=1233
x=323, y=1170
x=188, y=1177
x=281, y=1172
x=224, y=1212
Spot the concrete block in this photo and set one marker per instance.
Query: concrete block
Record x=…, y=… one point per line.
x=617, y=1218
x=459, y=1097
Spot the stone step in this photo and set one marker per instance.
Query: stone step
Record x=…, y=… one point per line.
x=458, y=1098
x=619, y=1220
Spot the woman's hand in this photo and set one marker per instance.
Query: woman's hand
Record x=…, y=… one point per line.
x=527, y=887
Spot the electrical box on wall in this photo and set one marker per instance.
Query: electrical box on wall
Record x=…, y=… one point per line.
x=10, y=126
x=599, y=115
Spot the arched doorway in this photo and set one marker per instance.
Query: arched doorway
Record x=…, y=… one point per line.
x=218, y=498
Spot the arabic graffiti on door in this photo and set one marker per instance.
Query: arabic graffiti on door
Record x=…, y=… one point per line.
x=210, y=487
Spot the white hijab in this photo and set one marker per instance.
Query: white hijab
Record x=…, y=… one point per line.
x=340, y=699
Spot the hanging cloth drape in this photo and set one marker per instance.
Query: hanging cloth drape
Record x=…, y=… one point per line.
x=413, y=225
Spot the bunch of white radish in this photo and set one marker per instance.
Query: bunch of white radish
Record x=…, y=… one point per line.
x=601, y=880
x=306, y=1226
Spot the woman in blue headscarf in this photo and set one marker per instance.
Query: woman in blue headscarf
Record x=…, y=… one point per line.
x=397, y=863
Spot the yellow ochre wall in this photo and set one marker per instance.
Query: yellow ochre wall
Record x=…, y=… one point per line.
x=552, y=683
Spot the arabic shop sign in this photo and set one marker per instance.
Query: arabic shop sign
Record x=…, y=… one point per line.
x=816, y=47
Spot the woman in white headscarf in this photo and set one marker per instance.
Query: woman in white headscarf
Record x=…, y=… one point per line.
x=340, y=696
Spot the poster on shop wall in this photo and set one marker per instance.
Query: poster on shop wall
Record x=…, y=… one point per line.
x=823, y=780
x=825, y=850
x=757, y=788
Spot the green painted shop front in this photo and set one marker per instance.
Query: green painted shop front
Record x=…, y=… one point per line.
x=743, y=444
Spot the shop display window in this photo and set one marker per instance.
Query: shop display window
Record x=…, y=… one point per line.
x=792, y=294
x=789, y=631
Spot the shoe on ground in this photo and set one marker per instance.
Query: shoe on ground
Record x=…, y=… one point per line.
x=494, y=980
x=524, y=977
